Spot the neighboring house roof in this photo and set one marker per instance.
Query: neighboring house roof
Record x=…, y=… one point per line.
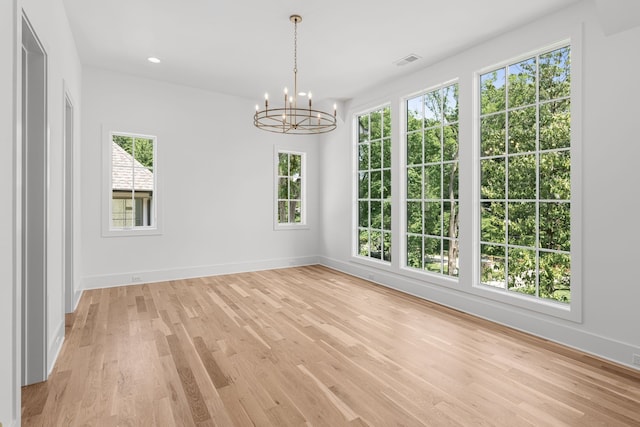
x=121, y=177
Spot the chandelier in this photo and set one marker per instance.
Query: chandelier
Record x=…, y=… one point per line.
x=294, y=117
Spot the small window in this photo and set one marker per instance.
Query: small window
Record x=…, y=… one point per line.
x=132, y=186
x=290, y=186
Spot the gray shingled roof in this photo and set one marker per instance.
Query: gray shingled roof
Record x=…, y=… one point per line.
x=121, y=177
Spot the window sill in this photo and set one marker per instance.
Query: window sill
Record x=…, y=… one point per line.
x=130, y=232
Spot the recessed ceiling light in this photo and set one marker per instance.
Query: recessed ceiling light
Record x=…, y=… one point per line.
x=153, y=59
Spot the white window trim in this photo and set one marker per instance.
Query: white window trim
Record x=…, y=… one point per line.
x=303, y=225
x=573, y=310
x=107, y=229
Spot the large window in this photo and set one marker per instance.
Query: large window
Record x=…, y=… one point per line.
x=432, y=181
x=290, y=188
x=133, y=181
x=374, y=184
x=525, y=188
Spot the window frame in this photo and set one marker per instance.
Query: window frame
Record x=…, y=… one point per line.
x=355, y=251
x=436, y=277
x=108, y=230
x=303, y=225
x=573, y=310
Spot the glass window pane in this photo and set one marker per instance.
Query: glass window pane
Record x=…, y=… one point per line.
x=433, y=218
x=433, y=109
x=493, y=178
x=414, y=182
x=414, y=217
x=522, y=224
x=522, y=130
x=295, y=165
x=283, y=188
x=450, y=219
x=376, y=125
x=414, y=251
x=386, y=184
x=376, y=154
x=450, y=95
x=386, y=153
x=363, y=242
x=386, y=125
x=432, y=182
x=522, y=83
x=555, y=175
x=143, y=153
x=386, y=215
x=376, y=215
x=295, y=188
x=522, y=271
x=555, y=276
x=376, y=185
x=450, y=138
x=450, y=181
x=493, y=135
x=555, y=230
x=386, y=246
x=363, y=156
x=283, y=211
x=492, y=266
x=414, y=114
x=492, y=91
x=376, y=245
x=363, y=185
x=432, y=145
x=363, y=211
x=363, y=128
x=522, y=177
x=283, y=164
x=555, y=76
x=450, y=253
x=555, y=125
x=124, y=142
x=414, y=148
x=433, y=255
x=492, y=220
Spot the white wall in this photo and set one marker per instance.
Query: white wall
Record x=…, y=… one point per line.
x=216, y=184
x=9, y=391
x=611, y=89
x=49, y=21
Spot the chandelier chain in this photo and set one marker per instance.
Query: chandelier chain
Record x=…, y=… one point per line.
x=295, y=46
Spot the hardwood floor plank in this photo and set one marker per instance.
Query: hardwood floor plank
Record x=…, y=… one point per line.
x=310, y=346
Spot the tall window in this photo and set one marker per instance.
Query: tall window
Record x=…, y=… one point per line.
x=374, y=184
x=290, y=185
x=132, y=181
x=525, y=188
x=432, y=181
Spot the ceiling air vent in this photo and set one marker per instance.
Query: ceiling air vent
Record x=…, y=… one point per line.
x=407, y=60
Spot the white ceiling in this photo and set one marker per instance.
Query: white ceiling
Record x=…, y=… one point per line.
x=245, y=47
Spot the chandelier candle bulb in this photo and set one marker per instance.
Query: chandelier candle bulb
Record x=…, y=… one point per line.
x=291, y=118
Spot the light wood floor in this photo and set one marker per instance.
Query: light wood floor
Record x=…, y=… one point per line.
x=311, y=346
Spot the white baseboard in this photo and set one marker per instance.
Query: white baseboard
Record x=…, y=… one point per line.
x=108, y=281
x=547, y=327
x=55, y=347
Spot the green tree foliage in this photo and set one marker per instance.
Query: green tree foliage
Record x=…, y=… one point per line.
x=525, y=176
x=140, y=148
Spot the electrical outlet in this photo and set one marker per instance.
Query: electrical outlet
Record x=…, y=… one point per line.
x=636, y=359
x=136, y=279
